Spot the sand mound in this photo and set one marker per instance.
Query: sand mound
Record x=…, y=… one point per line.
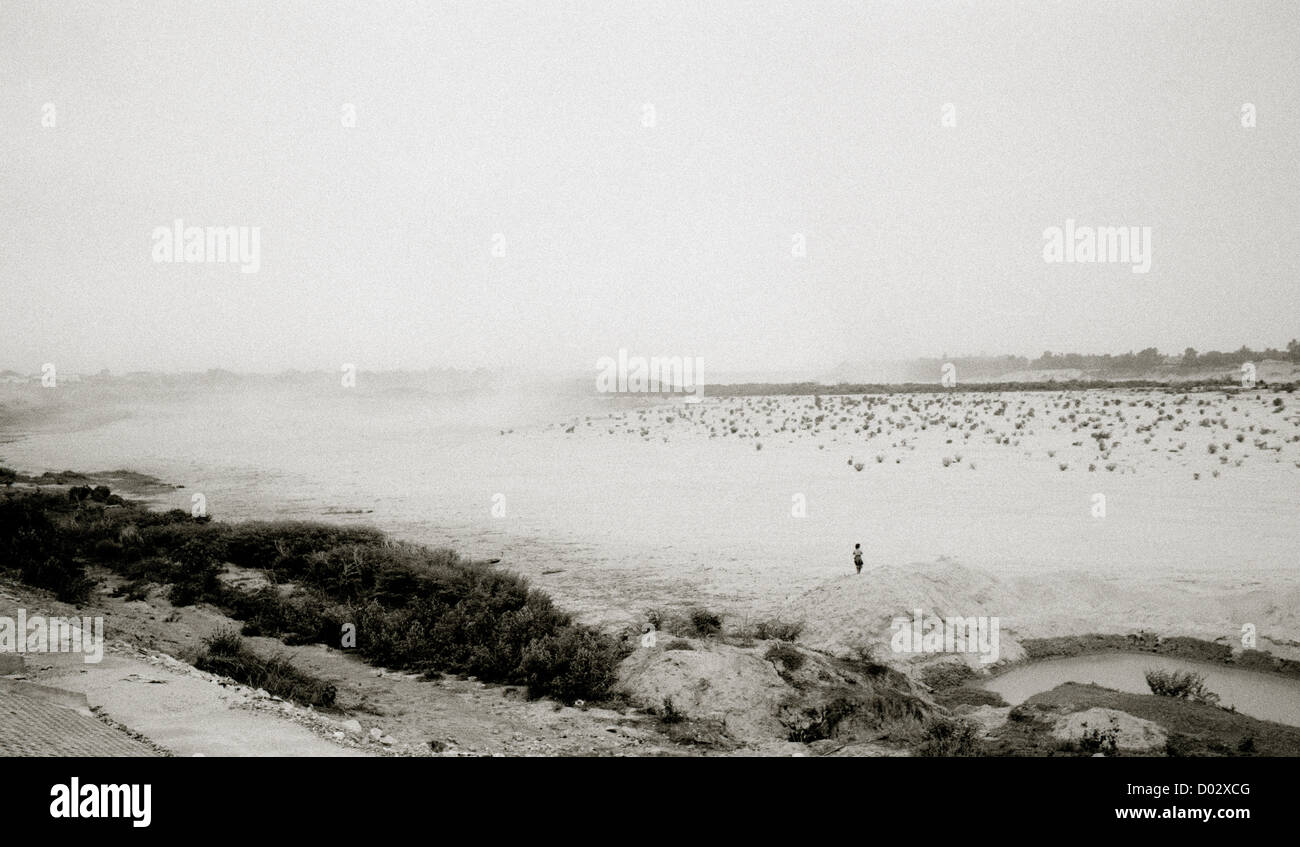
x=770, y=692
x=1132, y=733
x=854, y=612
x=712, y=682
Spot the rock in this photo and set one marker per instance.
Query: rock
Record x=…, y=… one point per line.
x=388, y=740
x=353, y=725
x=376, y=733
x=1131, y=733
x=437, y=746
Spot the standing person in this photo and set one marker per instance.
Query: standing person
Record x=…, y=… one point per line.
x=857, y=557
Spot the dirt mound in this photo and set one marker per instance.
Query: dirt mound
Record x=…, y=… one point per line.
x=1130, y=733
x=713, y=682
x=774, y=692
x=854, y=614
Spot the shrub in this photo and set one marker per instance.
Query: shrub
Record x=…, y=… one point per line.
x=107, y=550
x=413, y=608
x=823, y=721
x=65, y=577
x=574, y=663
x=946, y=737
x=283, y=546
x=669, y=713
x=704, y=623
x=789, y=658
x=1181, y=685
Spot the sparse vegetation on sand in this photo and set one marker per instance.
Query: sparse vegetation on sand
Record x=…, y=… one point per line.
x=410, y=607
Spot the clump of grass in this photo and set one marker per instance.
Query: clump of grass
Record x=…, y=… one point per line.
x=1098, y=740
x=942, y=676
x=226, y=654
x=777, y=630
x=788, y=657
x=704, y=623
x=668, y=713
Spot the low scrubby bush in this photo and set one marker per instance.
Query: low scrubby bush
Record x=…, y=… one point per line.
x=704, y=623
x=942, y=736
x=412, y=607
x=1181, y=685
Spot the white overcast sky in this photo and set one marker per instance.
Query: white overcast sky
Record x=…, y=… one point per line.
x=526, y=119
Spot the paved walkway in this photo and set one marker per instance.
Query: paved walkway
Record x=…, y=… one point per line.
x=40, y=721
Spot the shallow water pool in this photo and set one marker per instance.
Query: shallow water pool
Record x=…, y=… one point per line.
x=1261, y=695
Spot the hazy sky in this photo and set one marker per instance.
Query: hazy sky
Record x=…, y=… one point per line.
x=528, y=120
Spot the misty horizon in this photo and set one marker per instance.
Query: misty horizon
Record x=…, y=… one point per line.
x=780, y=192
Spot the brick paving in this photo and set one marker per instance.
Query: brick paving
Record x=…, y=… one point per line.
x=32, y=726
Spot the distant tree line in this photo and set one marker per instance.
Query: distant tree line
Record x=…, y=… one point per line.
x=1100, y=365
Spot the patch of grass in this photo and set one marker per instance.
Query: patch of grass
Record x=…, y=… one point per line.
x=777, y=630
x=785, y=655
x=967, y=695
x=1259, y=660
x=942, y=676
x=867, y=710
x=226, y=654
